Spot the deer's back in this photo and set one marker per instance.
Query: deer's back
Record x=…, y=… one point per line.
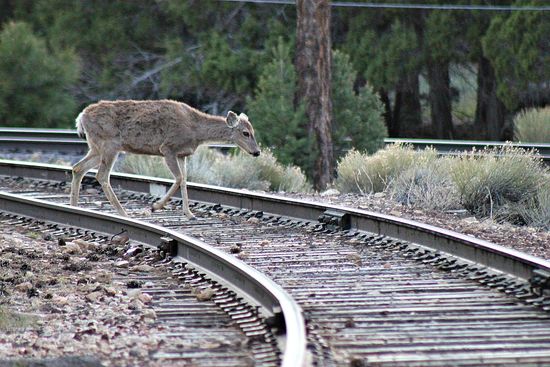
x=134, y=126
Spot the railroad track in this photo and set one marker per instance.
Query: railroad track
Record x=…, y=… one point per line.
x=67, y=142
x=375, y=290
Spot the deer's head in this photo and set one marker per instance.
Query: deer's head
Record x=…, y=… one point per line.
x=242, y=133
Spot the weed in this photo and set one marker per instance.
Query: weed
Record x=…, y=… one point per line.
x=533, y=125
x=359, y=172
x=427, y=185
x=239, y=170
x=489, y=180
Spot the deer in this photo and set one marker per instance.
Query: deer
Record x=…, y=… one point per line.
x=164, y=128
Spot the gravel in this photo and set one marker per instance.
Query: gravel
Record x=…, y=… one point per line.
x=522, y=238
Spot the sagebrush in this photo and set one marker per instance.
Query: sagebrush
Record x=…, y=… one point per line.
x=533, y=125
x=238, y=170
x=364, y=173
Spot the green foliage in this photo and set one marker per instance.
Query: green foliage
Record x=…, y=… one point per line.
x=491, y=179
x=34, y=80
x=517, y=45
x=363, y=173
x=357, y=117
x=384, y=59
x=533, y=125
x=278, y=123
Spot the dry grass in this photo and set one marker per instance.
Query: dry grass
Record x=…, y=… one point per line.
x=533, y=125
x=363, y=173
x=237, y=171
x=492, y=179
x=426, y=185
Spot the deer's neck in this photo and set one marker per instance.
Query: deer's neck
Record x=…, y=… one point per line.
x=213, y=129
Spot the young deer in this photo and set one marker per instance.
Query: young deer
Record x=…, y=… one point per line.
x=170, y=129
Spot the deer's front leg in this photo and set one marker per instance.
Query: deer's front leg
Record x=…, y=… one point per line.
x=182, y=163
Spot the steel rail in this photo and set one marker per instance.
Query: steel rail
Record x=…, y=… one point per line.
x=456, y=146
x=468, y=248
x=67, y=141
x=253, y=286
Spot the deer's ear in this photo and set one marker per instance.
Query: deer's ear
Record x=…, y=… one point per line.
x=243, y=116
x=232, y=120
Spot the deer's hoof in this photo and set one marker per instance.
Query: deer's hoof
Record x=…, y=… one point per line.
x=156, y=206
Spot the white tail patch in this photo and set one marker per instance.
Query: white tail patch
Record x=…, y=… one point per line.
x=79, y=127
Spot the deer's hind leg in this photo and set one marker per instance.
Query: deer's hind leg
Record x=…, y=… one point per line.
x=108, y=158
x=91, y=160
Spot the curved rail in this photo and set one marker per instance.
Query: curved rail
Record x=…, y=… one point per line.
x=67, y=141
x=247, y=282
x=468, y=248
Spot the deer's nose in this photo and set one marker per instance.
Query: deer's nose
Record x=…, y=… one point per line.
x=256, y=153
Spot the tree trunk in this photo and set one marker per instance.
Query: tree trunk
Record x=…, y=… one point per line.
x=440, y=99
x=490, y=111
x=313, y=63
x=388, y=117
x=407, y=113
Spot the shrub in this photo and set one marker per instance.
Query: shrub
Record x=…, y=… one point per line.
x=427, y=185
x=533, y=125
x=359, y=172
x=535, y=211
x=238, y=171
x=492, y=179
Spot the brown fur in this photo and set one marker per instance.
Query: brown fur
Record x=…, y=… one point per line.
x=166, y=128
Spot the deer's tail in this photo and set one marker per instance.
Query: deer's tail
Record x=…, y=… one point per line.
x=79, y=128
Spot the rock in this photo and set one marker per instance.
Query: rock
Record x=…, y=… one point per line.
x=84, y=245
x=264, y=242
x=253, y=220
x=330, y=192
x=60, y=300
x=132, y=251
x=205, y=294
x=72, y=248
x=470, y=220
x=149, y=314
x=145, y=297
x=110, y=291
x=243, y=255
x=120, y=239
x=104, y=277
x=122, y=264
x=142, y=267
x=93, y=296
x=355, y=258
x=23, y=287
x=235, y=249
x=379, y=195
x=135, y=305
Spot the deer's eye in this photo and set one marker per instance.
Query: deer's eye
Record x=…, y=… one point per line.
x=246, y=134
